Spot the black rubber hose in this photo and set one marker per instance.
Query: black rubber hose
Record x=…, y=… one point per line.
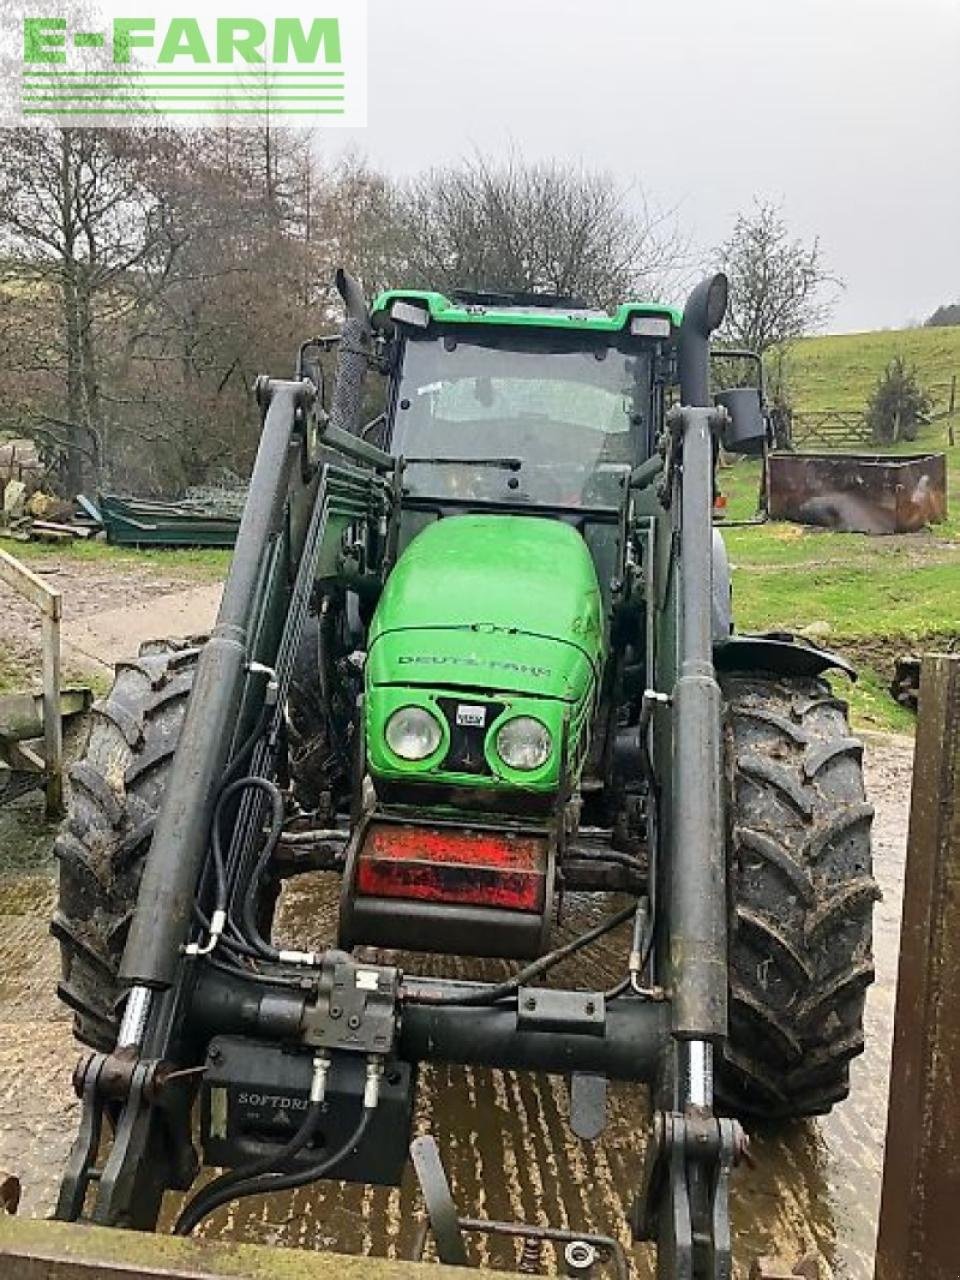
x=232, y=966
x=229, y=940
x=272, y=792
x=266, y=1183
x=645, y=946
x=628, y=860
x=492, y=994
x=196, y=1209
x=255, y=946
x=217, y=860
x=249, y=902
x=239, y=761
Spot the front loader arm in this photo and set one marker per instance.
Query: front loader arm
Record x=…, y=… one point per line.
x=297, y=511
x=304, y=507
x=683, y=1201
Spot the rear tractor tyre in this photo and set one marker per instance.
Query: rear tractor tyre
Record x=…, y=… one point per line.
x=802, y=894
x=115, y=791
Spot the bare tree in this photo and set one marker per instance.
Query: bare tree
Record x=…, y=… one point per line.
x=543, y=226
x=147, y=276
x=76, y=220
x=360, y=225
x=780, y=288
x=232, y=302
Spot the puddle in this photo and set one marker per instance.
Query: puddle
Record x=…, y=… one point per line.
x=26, y=839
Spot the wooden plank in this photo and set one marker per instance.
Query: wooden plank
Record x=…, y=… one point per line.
x=68, y=530
x=29, y=585
x=921, y=1180
x=32, y=1250
x=48, y=600
x=21, y=714
x=52, y=723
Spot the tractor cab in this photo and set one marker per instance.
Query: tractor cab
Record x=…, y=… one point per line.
x=522, y=401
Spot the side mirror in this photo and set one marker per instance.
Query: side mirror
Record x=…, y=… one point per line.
x=746, y=432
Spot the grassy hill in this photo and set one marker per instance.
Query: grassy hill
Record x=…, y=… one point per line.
x=838, y=371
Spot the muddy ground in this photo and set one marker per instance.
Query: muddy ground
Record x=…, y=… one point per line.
x=503, y=1135
x=108, y=608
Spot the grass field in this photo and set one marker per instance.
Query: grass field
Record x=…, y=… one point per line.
x=203, y=563
x=869, y=598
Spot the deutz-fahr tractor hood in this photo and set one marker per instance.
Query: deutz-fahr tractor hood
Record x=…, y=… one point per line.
x=505, y=603
x=486, y=619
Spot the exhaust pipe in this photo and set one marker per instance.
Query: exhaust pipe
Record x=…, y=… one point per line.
x=352, y=295
x=352, y=357
x=704, y=312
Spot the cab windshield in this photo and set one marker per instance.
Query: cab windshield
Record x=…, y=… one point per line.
x=509, y=418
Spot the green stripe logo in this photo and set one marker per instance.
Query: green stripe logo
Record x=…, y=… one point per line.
x=206, y=67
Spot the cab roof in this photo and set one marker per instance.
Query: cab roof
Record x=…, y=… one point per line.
x=445, y=310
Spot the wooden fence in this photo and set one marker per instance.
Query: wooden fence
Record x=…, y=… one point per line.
x=848, y=429
x=831, y=429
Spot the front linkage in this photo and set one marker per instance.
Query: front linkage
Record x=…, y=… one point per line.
x=200, y=994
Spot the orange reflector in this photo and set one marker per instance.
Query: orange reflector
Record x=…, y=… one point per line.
x=436, y=864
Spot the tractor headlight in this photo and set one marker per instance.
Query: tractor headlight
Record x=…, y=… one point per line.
x=412, y=733
x=524, y=743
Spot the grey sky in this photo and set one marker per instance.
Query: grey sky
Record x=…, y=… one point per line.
x=847, y=111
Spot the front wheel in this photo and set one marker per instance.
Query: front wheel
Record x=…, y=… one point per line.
x=802, y=895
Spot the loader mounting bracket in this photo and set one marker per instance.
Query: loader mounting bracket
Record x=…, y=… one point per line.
x=684, y=1198
x=131, y=1093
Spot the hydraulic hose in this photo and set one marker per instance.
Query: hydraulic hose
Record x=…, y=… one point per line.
x=231, y=965
x=243, y=1183
x=218, y=920
x=198, y=1208
x=249, y=904
x=493, y=994
x=239, y=761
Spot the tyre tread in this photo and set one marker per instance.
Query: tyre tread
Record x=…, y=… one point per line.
x=803, y=893
x=115, y=790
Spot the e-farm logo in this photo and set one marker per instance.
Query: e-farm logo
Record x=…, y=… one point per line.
x=123, y=68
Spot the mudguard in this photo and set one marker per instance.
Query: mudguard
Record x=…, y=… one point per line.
x=780, y=652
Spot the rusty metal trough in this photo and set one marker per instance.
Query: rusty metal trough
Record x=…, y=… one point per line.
x=859, y=493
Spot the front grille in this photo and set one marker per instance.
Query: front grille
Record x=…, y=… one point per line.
x=466, y=740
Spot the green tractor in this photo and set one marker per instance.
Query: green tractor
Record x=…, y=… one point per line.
x=475, y=654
